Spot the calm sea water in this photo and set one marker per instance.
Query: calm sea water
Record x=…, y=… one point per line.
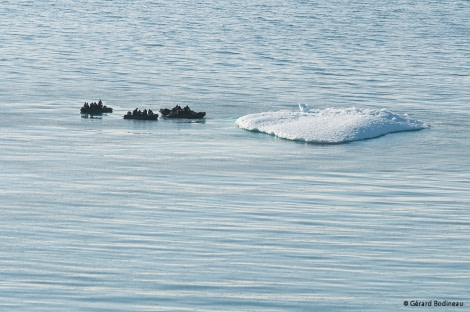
x=106, y=214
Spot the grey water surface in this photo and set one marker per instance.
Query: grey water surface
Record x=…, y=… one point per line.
x=107, y=214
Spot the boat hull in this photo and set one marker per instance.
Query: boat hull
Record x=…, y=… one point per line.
x=168, y=113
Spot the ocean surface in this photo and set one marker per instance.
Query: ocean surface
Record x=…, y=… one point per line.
x=107, y=214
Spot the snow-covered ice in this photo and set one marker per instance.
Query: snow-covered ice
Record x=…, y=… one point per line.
x=329, y=125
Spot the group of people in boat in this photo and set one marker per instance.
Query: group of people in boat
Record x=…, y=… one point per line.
x=178, y=112
x=138, y=114
x=95, y=108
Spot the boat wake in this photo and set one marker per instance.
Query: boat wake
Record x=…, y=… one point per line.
x=330, y=125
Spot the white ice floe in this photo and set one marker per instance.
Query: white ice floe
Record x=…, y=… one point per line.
x=330, y=125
